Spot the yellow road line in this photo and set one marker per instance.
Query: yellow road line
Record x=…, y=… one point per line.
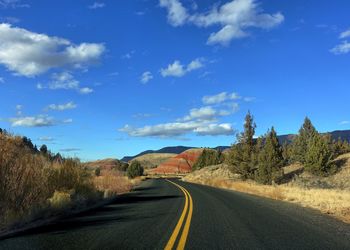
x=186, y=229
x=188, y=206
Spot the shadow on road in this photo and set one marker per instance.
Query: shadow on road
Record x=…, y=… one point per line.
x=120, y=209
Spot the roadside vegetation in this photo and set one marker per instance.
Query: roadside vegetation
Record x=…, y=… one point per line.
x=313, y=169
x=37, y=184
x=134, y=170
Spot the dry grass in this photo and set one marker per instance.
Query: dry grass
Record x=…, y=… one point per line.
x=335, y=202
x=112, y=183
x=153, y=160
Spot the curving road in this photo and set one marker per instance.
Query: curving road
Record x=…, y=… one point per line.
x=162, y=214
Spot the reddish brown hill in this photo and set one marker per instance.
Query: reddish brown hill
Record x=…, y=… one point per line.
x=182, y=163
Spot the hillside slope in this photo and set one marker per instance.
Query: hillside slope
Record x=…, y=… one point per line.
x=152, y=160
x=182, y=163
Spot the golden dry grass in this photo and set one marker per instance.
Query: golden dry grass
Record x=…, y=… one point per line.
x=112, y=183
x=335, y=202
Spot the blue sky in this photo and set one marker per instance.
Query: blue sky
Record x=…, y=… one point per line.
x=113, y=78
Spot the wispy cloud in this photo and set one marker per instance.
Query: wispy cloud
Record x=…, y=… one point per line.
x=219, y=98
x=342, y=48
x=69, y=149
x=46, y=139
x=61, y=107
x=64, y=80
x=146, y=77
x=29, y=54
x=13, y=4
x=234, y=18
x=96, y=5
x=344, y=122
x=176, y=69
x=345, y=34
x=128, y=55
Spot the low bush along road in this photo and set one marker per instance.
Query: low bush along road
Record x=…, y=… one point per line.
x=166, y=214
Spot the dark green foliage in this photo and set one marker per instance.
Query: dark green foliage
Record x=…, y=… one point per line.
x=121, y=166
x=270, y=160
x=241, y=156
x=302, y=140
x=43, y=149
x=207, y=158
x=135, y=169
x=340, y=147
x=287, y=153
x=97, y=171
x=319, y=155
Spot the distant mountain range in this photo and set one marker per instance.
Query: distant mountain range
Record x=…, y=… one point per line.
x=342, y=134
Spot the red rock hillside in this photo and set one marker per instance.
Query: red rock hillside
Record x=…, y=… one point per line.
x=182, y=163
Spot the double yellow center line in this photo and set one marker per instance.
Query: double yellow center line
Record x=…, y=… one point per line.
x=188, y=209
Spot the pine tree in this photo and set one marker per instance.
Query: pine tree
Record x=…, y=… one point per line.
x=319, y=155
x=43, y=149
x=270, y=160
x=301, y=141
x=241, y=156
x=207, y=158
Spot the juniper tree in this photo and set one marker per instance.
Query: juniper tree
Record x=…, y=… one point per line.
x=318, y=157
x=241, y=157
x=301, y=141
x=270, y=159
x=207, y=158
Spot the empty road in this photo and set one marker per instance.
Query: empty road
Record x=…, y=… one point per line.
x=162, y=214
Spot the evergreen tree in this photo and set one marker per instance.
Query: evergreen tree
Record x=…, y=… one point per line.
x=43, y=149
x=301, y=141
x=135, y=169
x=319, y=155
x=241, y=156
x=270, y=160
x=207, y=158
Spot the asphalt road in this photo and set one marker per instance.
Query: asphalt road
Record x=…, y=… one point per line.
x=161, y=214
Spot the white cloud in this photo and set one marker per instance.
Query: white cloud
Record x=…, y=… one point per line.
x=29, y=54
x=215, y=129
x=344, y=122
x=46, y=138
x=36, y=121
x=64, y=80
x=177, y=129
x=128, y=55
x=32, y=121
x=19, y=109
x=10, y=19
x=96, y=5
x=70, y=149
x=234, y=18
x=177, y=14
x=200, y=121
x=2, y=80
x=13, y=4
x=219, y=98
x=85, y=90
x=62, y=107
x=176, y=69
x=146, y=77
x=345, y=34
x=205, y=114
x=342, y=48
